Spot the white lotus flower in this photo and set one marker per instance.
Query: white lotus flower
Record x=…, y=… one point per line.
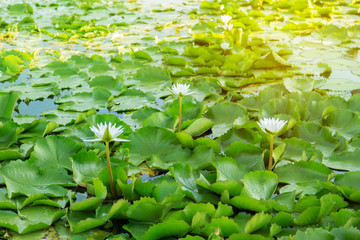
x=225, y=46
x=222, y=7
x=107, y=133
x=271, y=125
x=181, y=89
x=226, y=19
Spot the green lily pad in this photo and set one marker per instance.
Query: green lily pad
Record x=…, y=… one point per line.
x=226, y=226
x=85, y=101
x=297, y=149
x=24, y=178
x=62, y=80
x=7, y=105
x=86, y=166
x=331, y=203
x=302, y=172
x=348, y=179
x=37, y=128
x=19, y=8
x=132, y=100
x=271, y=60
x=346, y=233
x=54, y=151
x=259, y=184
x=150, y=79
x=5, y=202
x=30, y=219
x=83, y=221
x=149, y=141
x=258, y=221
x=249, y=203
x=229, y=169
x=114, y=85
x=320, y=137
x=8, y=134
x=343, y=121
x=280, y=106
x=299, y=84
x=186, y=176
x=344, y=161
x=145, y=210
x=26, y=92
x=243, y=135
x=169, y=228
x=256, y=102
x=309, y=216
x=247, y=155
x=223, y=116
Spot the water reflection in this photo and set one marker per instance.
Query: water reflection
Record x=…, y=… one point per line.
x=35, y=108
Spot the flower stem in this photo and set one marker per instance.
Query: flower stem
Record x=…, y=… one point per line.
x=180, y=103
x=113, y=193
x=271, y=152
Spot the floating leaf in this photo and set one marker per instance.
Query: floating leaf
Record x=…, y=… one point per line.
x=346, y=233
x=132, y=100
x=169, y=228
x=348, y=179
x=85, y=101
x=223, y=115
x=271, y=60
x=228, y=169
x=151, y=79
x=82, y=221
x=317, y=233
x=145, y=210
x=302, y=172
x=299, y=84
x=248, y=203
x=86, y=166
x=247, y=155
x=225, y=225
x=258, y=221
x=8, y=134
x=54, y=151
x=309, y=216
x=114, y=85
x=185, y=175
x=331, y=203
x=24, y=178
x=149, y=141
x=321, y=137
x=259, y=184
x=26, y=92
x=343, y=121
x=30, y=219
x=7, y=105
x=344, y=161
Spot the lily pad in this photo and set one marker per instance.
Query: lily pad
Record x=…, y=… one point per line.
x=54, y=151
x=223, y=116
x=30, y=219
x=7, y=105
x=259, y=184
x=24, y=178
